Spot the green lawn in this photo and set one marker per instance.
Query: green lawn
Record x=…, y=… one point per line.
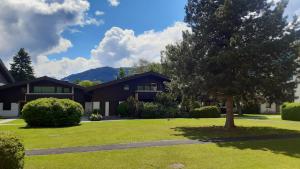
x=127, y=131
x=253, y=154
x=245, y=155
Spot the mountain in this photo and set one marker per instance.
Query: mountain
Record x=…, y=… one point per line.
x=103, y=74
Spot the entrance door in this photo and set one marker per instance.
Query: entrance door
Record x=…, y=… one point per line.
x=106, y=108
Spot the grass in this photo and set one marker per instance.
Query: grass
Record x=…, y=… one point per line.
x=128, y=131
x=271, y=154
x=246, y=155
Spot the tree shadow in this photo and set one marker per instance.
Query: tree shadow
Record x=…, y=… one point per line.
x=256, y=117
x=276, y=140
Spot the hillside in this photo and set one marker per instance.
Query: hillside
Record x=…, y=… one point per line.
x=103, y=74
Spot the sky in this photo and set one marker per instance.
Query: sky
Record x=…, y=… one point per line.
x=64, y=37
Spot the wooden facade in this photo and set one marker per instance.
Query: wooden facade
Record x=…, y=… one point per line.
x=105, y=97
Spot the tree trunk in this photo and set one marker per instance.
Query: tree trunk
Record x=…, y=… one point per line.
x=229, y=113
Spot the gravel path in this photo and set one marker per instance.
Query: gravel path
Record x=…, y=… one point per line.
x=161, y=143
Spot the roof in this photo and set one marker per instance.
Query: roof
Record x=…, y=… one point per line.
x=41, y=79
x=6, y=73
x=128, y=78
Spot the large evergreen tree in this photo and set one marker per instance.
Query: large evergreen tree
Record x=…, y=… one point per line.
x=237, y=49
x=21, y=68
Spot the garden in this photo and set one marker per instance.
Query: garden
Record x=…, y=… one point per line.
x=25, y=135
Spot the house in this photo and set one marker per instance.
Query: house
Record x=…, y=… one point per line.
x=108, y=96
x=14, y=96
x=105, y=97
x=5, y=76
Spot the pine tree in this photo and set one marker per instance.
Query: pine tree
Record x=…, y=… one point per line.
x=237, y=49
x=21, y=68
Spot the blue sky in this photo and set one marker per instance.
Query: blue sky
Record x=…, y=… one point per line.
x=138, y=15
x=70, y=36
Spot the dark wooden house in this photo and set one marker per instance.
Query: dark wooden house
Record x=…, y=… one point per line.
x=14, y=96
x=108, y=96
x=105, y=97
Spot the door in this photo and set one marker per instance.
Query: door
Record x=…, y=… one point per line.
x=106, y=108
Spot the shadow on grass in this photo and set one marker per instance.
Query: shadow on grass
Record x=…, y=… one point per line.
x=271, y=139
x=256, y=117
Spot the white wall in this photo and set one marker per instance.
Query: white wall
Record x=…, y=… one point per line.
x=14, y=112
x=264, y=109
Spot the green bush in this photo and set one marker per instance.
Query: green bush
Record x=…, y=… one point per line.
x=11, y=152
x=206, y=112
x=150, y=111
x=96, y=117
x=290, y=111
x=123, y=110
x=52, y=112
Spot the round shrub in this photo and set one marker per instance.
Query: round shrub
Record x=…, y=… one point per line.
x=290, y=111
x=150, y=111
x=123, y=110
x=11, y=152
x=52, y=112
x=206, y=112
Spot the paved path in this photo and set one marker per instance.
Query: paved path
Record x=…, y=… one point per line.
x=161, y=143
x=6, y=121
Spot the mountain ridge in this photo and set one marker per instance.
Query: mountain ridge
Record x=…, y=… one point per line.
x=103, y=74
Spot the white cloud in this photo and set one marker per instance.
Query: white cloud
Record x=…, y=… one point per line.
x=99, y=13
x=37, y=25
x=63, y=67
x=121, y=47
x=114, y=2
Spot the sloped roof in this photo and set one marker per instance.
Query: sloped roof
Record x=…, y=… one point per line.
x=6, y=73
x=41, y=79
x=128, y=78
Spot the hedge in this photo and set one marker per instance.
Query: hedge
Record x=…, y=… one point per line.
x=290, y=111
x=150, y=111
x=52, y=112
x=11, y=152
x=206, y=112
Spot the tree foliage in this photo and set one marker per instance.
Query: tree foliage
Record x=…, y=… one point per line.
x=122, y=73
x=145, y=66
x=237, y=48
x=21, y=68
x=88, y=83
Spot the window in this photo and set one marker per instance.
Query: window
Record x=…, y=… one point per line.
x=59, y=90
x=43, y=89
x=126, y=87
x=6, y=106
x=147, y=87
x=67, y=90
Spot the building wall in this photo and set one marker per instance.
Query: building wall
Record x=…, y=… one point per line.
x=114, y=94
x=13, y=112
x=264, y=108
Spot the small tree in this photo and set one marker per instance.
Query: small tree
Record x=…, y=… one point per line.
x=21, y=68
x=88, y=83
x=122, y=73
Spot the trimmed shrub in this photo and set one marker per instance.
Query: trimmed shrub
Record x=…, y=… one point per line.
x=11, y=152
x=52, y=112
x=206, y=112
x=150, y=111
x=123, y=110
x=291, y=111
